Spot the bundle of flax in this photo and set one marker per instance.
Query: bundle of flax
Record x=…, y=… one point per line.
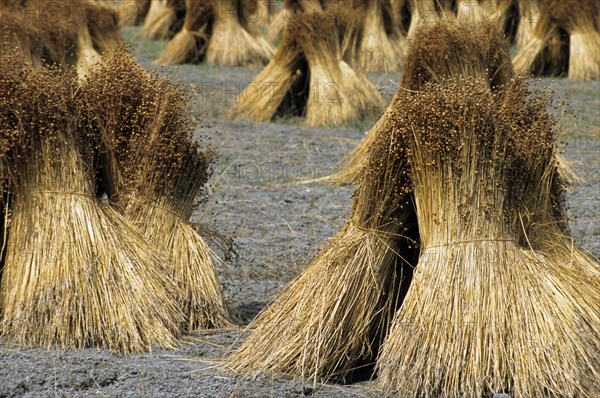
x=164, y=19
x=311, y=75
x=338, y=93
x=382, y=47
x=400, y=13
x=76, y=274
x=546, y=51
x=280, y=88
x=16, y=38
x=217, y=32
x=191, y=42
x=330, y=321
x=428, y=12
x=233, y=42
x=160, y=198
x=581, y=20
x=98, y=35
x=291, y=9
x=481, y=51
x=102, y=21
x=27, y=30
x=529, y=14
x=155, y=173
x=81, y=34
x=565, y=41
x=483, y=313
x=484, y=54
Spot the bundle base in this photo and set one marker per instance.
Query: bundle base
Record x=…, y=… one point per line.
x=91, y=281
x=232, y=45
x=199, y=293
x=159, y=20
x=329, y=322
x=340, y=96
x=488, y=317
x=584, y=56
x=185, y=46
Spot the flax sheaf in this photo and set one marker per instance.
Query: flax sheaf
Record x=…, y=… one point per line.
x=329, y=323
x=485, y=54
x=154, y=172
x=217, y=32
x=312, y=74
x=76, y=273
x=485, y=312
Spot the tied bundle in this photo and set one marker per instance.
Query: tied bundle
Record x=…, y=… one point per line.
x=83, y=34
x=484, y=313
x=279, y=88
x=219, y=33
x=330, y=322
x=485, y=55
x=338, y=93
x=529, y=14
x=581, y=21
x=191, y=42
x=154, y=172
x=311, y=74
x=76, y=273
x=564, y=42
x=290, y=10
x=233, y=42
x=164, y=19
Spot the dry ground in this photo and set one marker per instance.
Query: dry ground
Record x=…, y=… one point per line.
x=276, y=223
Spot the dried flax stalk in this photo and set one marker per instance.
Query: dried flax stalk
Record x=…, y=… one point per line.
x=485, y=314
x=154, y=174
x=338, y=93
x=473, y=49
x=190, y=43
x=77, y=274
x=330, y=321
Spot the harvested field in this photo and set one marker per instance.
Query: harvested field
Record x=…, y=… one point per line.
x=260, y=202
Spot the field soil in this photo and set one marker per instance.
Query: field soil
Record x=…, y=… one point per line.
x=271, y=222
